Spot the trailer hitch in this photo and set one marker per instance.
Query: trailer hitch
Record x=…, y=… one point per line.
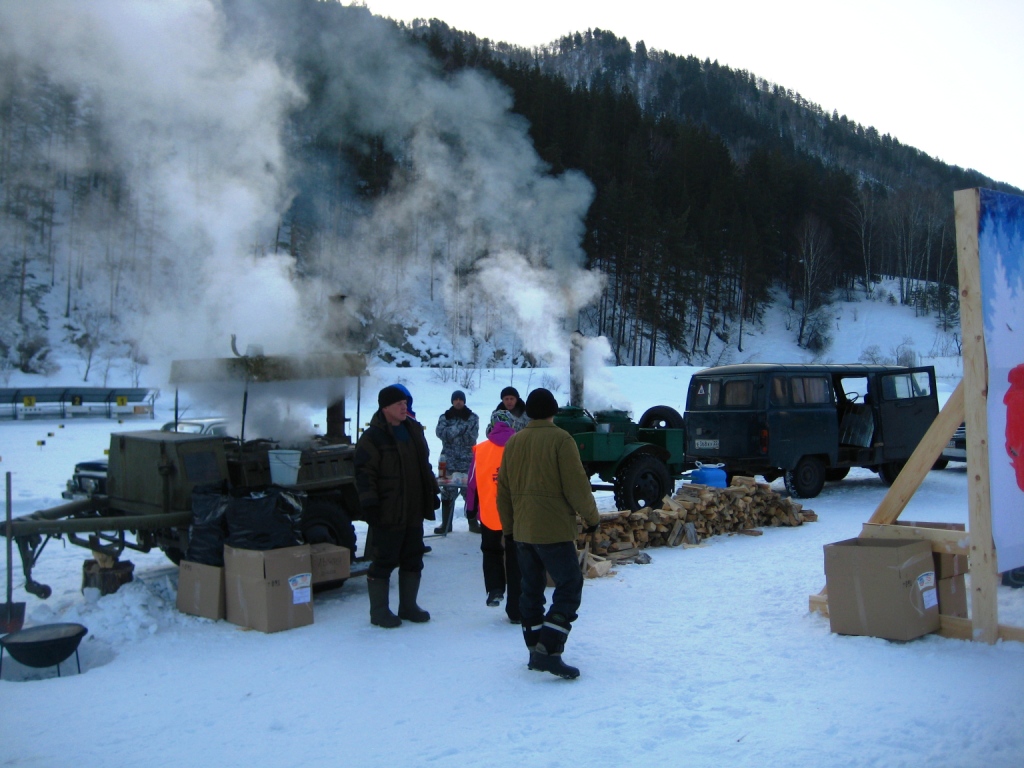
x=30, y=547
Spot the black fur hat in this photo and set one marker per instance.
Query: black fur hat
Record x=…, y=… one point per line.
x=541, y=404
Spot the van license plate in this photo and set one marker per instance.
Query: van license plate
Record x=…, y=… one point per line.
x=707, y=444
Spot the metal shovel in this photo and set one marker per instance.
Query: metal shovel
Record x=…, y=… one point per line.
x=12, y=615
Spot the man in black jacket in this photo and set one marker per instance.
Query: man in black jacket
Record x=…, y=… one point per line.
x=397, y=492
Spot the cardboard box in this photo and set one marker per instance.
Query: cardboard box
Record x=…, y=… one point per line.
x=268, y=590
x=329, y=562
x=953, y=597
x=946, y=566
x=201, y=590
x=881, y=588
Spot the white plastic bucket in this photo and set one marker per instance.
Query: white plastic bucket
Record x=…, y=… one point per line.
x=284, y=466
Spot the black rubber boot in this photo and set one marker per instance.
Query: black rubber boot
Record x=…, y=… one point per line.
x=380, y=611
x=545, y=662
x=447, y=512
x=408, y=589
x=547, y=655
x=531, y=632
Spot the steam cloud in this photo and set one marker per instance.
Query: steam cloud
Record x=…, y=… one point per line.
x=191, y=103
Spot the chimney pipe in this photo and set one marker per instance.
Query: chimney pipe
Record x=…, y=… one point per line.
x=576, y=344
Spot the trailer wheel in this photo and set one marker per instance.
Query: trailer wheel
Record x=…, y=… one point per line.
x=661, y=417
x=807, y=479
x=643, y=482
x=174, y=554
x=890, y=471
x=940, y=464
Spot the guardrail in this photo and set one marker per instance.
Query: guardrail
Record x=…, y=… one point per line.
x=65, y=402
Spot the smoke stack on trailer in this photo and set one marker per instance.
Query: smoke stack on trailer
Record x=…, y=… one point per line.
x=576, y=343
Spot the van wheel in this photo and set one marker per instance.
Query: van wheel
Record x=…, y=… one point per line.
x=890, y=471
x=661, y=417
x=807, y=479
x=835, y=474
x=643, y=482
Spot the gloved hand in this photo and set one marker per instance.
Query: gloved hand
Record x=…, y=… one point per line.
x=437, y=503
x=591, y=528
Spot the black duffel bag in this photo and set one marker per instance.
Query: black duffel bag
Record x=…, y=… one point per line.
x=209, y=526
x=269, y=518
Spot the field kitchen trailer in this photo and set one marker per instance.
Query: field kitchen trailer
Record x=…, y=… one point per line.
x=152, y=473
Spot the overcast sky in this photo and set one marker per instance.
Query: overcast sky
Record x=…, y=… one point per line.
x=944, y=76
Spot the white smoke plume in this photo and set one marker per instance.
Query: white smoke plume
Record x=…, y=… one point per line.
x=191, y=103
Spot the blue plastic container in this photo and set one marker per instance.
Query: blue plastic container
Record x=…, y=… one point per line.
x=712, y=475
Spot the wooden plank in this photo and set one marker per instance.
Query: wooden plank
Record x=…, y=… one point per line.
x=943, y=541
x=818, y=603
x=921, y=460
x=984, y=573
x=963, y=629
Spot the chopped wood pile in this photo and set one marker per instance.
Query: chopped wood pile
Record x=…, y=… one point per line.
x=693, y=514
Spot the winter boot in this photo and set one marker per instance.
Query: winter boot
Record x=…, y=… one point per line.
x=447, y=512
x=380, y=611
x=494, y=598
x=531, y=632
x=547, y=655
x=408, y=589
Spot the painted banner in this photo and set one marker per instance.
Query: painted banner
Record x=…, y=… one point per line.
x=1001, y=251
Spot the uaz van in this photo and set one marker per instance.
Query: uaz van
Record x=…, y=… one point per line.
x=808, y=423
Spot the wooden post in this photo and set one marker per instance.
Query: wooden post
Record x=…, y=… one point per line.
x=983, y=568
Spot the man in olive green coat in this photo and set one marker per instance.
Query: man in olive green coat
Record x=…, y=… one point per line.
x=542, y=486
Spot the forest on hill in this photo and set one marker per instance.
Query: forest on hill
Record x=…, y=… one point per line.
x=309, y=154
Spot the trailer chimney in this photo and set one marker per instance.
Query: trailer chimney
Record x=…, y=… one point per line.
x=576, y=342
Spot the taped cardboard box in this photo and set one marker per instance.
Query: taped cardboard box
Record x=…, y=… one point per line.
x=946, y=566
x=953, y=597
x=201, y=590
x=330, y=563
x=881, y=588
x=269, y=590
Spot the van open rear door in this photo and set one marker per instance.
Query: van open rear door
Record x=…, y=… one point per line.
x=908, y=407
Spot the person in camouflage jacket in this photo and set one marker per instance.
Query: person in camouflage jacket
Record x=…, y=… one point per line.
x=458, y=429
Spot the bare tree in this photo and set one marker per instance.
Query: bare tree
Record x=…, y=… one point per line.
x=814, y=259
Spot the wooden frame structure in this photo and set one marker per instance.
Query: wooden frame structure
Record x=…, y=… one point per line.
x=968, y=404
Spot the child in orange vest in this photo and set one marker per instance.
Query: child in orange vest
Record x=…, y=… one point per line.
x=501, y=566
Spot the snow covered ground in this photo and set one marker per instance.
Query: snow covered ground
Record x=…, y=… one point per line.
x=705, y=656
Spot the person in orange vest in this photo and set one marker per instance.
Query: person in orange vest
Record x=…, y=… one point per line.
x=501, y=566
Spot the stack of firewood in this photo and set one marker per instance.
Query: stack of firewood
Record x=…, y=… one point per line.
x=694, y=513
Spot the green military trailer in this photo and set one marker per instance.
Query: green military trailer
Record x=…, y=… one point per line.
x=152, y=474
x=639, y=461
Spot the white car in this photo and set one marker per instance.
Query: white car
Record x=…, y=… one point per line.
x=208, y=425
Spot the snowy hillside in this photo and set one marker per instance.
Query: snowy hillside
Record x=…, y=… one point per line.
x=872, y=329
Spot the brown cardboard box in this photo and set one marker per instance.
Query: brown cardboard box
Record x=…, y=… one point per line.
x=329, y=562
x=946, y=566
x=953, y=596
x=268, y=590
x=881, y=588
x=201, y=590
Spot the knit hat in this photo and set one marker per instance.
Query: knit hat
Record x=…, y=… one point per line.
x=458, y=394
x=510, y=391
x=541, y=404
x=391, y=395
